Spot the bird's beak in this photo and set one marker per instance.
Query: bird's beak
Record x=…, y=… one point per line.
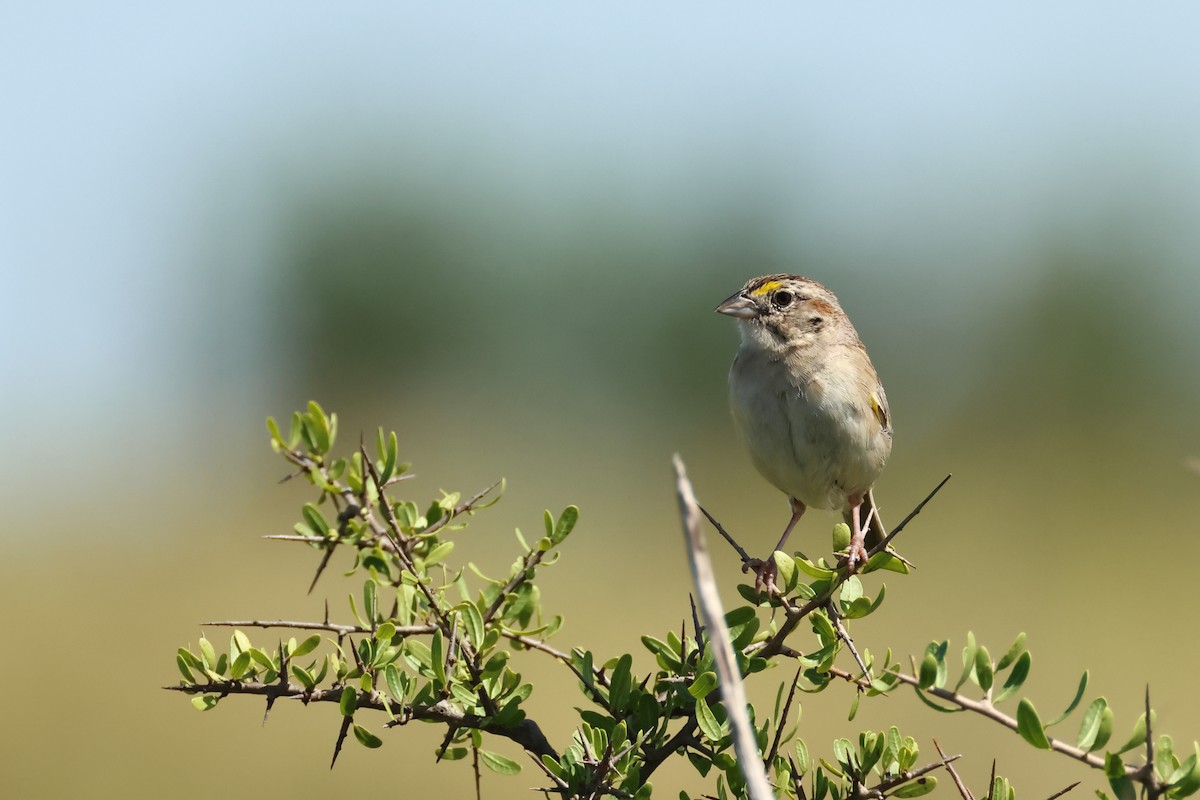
x=739, y=306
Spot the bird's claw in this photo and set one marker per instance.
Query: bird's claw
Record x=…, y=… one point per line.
x=855, y=556
x=764, y=574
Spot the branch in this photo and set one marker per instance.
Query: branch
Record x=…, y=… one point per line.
x=985, y=709
x=733, y=694
x=795, y=614
x=341, y=630
x=525, y=733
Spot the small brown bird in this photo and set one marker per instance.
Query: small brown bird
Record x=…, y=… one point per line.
x=808, y=405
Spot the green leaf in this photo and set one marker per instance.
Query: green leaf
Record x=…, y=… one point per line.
x=1030, y=726
x=307, y=646
x=620, y=682
x=238, y=643
x=1185, y=780
x=1165, y=761
x=1016, y=678
x=205, y=702
x=707, y=721
x=473, y=623
x=304, y=676
x=349, y=701
x=812, y=570
x=370, y=601
x=262, y=658
x=273, y=429
x=239, y=666
x=438, y=553
x=803, y=760
x=929, y=670
x=887, y=561
x=190, y=658
x=1014, y=651
x=389, y=456
x=1093, y=721
x=566, y=523
x=968, y=658
x=207, y=653
x=1138, y=735
x=437, y=658
x=385, y=632
x=396, y=682
x=785, y=570
x=1114, y=770
x=705, y=682
x=935, y=706
x=983, y=668
x=921, y=786
x=366, y=738
x=841, y=537
x=1083, y=682
x=314, y=519
x=182, y=663
x=939, y=651
x=318, y=427
x=498, y=763
x=823, y=628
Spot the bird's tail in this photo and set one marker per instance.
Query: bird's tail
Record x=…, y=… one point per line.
x=875, y=533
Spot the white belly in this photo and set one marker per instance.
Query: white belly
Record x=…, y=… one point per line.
x=815, y=442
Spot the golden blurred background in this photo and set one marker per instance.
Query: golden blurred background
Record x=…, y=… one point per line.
x=501, y=231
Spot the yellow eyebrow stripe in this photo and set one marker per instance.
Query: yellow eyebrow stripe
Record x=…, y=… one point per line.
x=767, y=287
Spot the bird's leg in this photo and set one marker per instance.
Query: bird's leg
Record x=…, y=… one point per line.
x=798, y=510
x=764, y=571
x=857, y=552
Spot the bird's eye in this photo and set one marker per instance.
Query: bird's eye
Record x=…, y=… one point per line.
x=783, y=298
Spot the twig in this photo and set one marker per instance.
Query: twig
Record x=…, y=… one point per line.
x=475, y=769
x=921, y=505
x=962, y=788
x=881, y=788
x=795, y=614
x=525, y=733
x=742, y=554
x=1061, y=792
x=787, y=706
x=341, y=630
x=732, y=692
x=986, y=709
x=844, y=635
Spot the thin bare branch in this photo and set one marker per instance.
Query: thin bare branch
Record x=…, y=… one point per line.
x=732, y=692
x=742, y=554
x=985, y=708
x=782, y=722
x=1061, y=792
x=525, y=733
x=958, y=783
x=880, y=789
x=342, y=630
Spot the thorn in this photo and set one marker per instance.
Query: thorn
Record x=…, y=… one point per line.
x=324, y=563
x=337, y=748
x=1061, y=792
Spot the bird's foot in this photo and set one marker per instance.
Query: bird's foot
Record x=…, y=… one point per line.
x=855, y=555
x=764, y=574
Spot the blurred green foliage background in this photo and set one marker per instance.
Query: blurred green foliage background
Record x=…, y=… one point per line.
x=502, y=231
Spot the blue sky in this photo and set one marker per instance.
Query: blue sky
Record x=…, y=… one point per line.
x=131, y=130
